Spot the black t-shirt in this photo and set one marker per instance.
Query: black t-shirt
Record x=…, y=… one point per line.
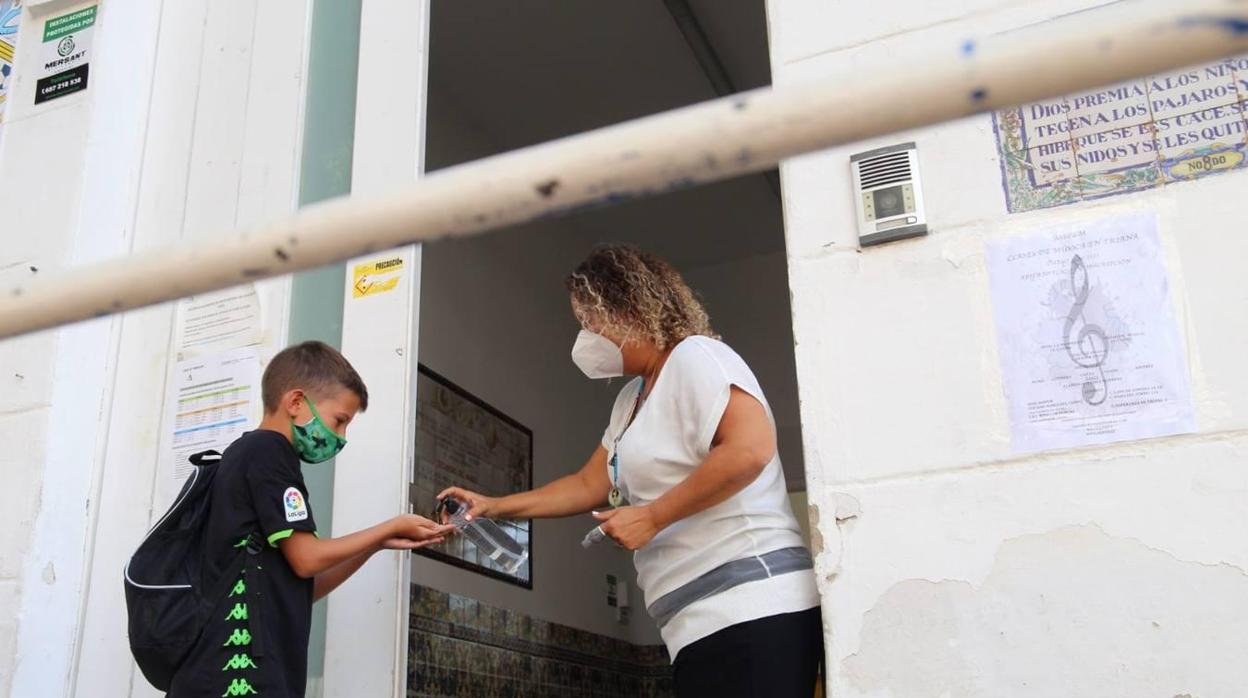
x=258, y=489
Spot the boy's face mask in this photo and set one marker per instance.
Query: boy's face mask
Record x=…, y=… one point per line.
x=315, y=442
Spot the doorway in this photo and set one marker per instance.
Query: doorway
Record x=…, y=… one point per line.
x=495, y=321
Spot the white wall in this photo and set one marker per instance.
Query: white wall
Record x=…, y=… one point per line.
x=190, y=128
x=38, y=148
x=949, y=566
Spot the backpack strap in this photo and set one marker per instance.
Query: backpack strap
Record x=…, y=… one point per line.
x=205, y=458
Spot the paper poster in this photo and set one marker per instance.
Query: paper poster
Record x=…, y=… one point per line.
x=215, y=398
x=372, y=278
x=210, y=322
x=1127, y=137
x=1090, y=350
x=65, y=54
x=10, y=17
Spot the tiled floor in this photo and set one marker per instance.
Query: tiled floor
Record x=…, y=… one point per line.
x=459, y=647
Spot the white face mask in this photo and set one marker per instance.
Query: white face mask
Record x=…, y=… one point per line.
x=597, y=356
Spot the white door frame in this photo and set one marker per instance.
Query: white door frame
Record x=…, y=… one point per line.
x=366, y=633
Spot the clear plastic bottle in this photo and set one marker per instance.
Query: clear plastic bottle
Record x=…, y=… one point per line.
x=489, y=538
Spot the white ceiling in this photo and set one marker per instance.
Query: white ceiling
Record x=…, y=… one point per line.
x=520, y=72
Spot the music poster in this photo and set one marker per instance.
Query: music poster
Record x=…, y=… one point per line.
x=1090, y=350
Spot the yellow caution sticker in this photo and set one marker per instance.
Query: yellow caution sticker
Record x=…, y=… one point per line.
x=372, y=278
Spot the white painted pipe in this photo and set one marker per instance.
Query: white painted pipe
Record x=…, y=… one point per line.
x=702, y=143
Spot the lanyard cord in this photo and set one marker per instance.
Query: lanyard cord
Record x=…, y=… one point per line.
x=615, y=451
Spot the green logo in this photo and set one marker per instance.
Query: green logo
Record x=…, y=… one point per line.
x=240, y=587
x=239, y=612
x=239, y=638
x=239, y=687
x=239, y=661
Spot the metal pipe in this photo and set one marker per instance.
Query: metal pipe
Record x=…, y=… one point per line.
x=716, y=140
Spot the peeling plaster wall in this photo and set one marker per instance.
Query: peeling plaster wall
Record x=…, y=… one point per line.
x=948, y=565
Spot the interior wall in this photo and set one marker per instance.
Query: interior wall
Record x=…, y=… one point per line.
x=490, y=322
x=495, y=319
x=746, y=301
x=948, y=564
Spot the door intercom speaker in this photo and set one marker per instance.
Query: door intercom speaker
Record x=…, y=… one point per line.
x=887, y=194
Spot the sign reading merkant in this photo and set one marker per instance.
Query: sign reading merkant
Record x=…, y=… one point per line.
x=65, y=54
x=1127, y=137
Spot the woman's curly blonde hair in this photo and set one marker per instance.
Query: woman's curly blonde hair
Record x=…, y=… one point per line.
x=630, y=293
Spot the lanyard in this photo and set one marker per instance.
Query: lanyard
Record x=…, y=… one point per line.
x=616, y=498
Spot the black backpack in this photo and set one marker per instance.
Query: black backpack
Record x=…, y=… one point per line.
x=168, y=600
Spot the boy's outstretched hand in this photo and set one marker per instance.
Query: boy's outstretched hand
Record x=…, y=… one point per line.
x=411, y=531
x=333, y=560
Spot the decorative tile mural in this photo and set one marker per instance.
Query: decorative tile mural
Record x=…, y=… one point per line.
x=1136, y=135
x=460, y=647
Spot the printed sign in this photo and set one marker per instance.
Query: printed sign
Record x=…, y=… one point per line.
x=1090, y=349
x=1127, y=137
x=373, y=278
x=214, y=400
x=63, y=68
x=10, y=17
x=218, y=321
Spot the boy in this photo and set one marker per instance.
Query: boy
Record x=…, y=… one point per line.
x=257, y=645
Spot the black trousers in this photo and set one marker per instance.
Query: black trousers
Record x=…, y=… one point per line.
x=773, y=657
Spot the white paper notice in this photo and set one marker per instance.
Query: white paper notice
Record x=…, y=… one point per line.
x=212, y=322
x=1090, y=351
x=213, y=403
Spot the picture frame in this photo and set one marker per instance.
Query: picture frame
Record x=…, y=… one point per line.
x=463, y=441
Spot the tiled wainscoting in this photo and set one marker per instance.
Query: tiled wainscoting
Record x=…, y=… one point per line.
x=459, y=647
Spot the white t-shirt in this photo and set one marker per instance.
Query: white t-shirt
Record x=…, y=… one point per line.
x=669, y=438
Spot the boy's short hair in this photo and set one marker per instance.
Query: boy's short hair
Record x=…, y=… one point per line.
x=315, y=367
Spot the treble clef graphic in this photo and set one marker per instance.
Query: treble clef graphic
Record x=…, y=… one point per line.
x=1089, y=347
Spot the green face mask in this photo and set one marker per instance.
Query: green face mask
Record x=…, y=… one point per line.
x=315, y=442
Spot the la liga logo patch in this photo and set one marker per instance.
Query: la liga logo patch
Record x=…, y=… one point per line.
x=296, y=508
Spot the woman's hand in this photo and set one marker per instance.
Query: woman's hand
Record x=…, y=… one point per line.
x=410, y=531
x=478, y=504
x=630, y=527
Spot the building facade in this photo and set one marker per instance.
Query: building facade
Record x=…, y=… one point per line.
x=954, y=557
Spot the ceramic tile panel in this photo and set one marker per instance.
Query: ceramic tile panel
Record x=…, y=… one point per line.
x=1135, y=135
x=458, y=646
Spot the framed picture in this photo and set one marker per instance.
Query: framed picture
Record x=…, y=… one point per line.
x=463, y=441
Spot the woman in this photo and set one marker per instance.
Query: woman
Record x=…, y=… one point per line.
x=689, y=466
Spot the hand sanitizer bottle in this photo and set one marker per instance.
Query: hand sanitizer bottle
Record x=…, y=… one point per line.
x=489, y=538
